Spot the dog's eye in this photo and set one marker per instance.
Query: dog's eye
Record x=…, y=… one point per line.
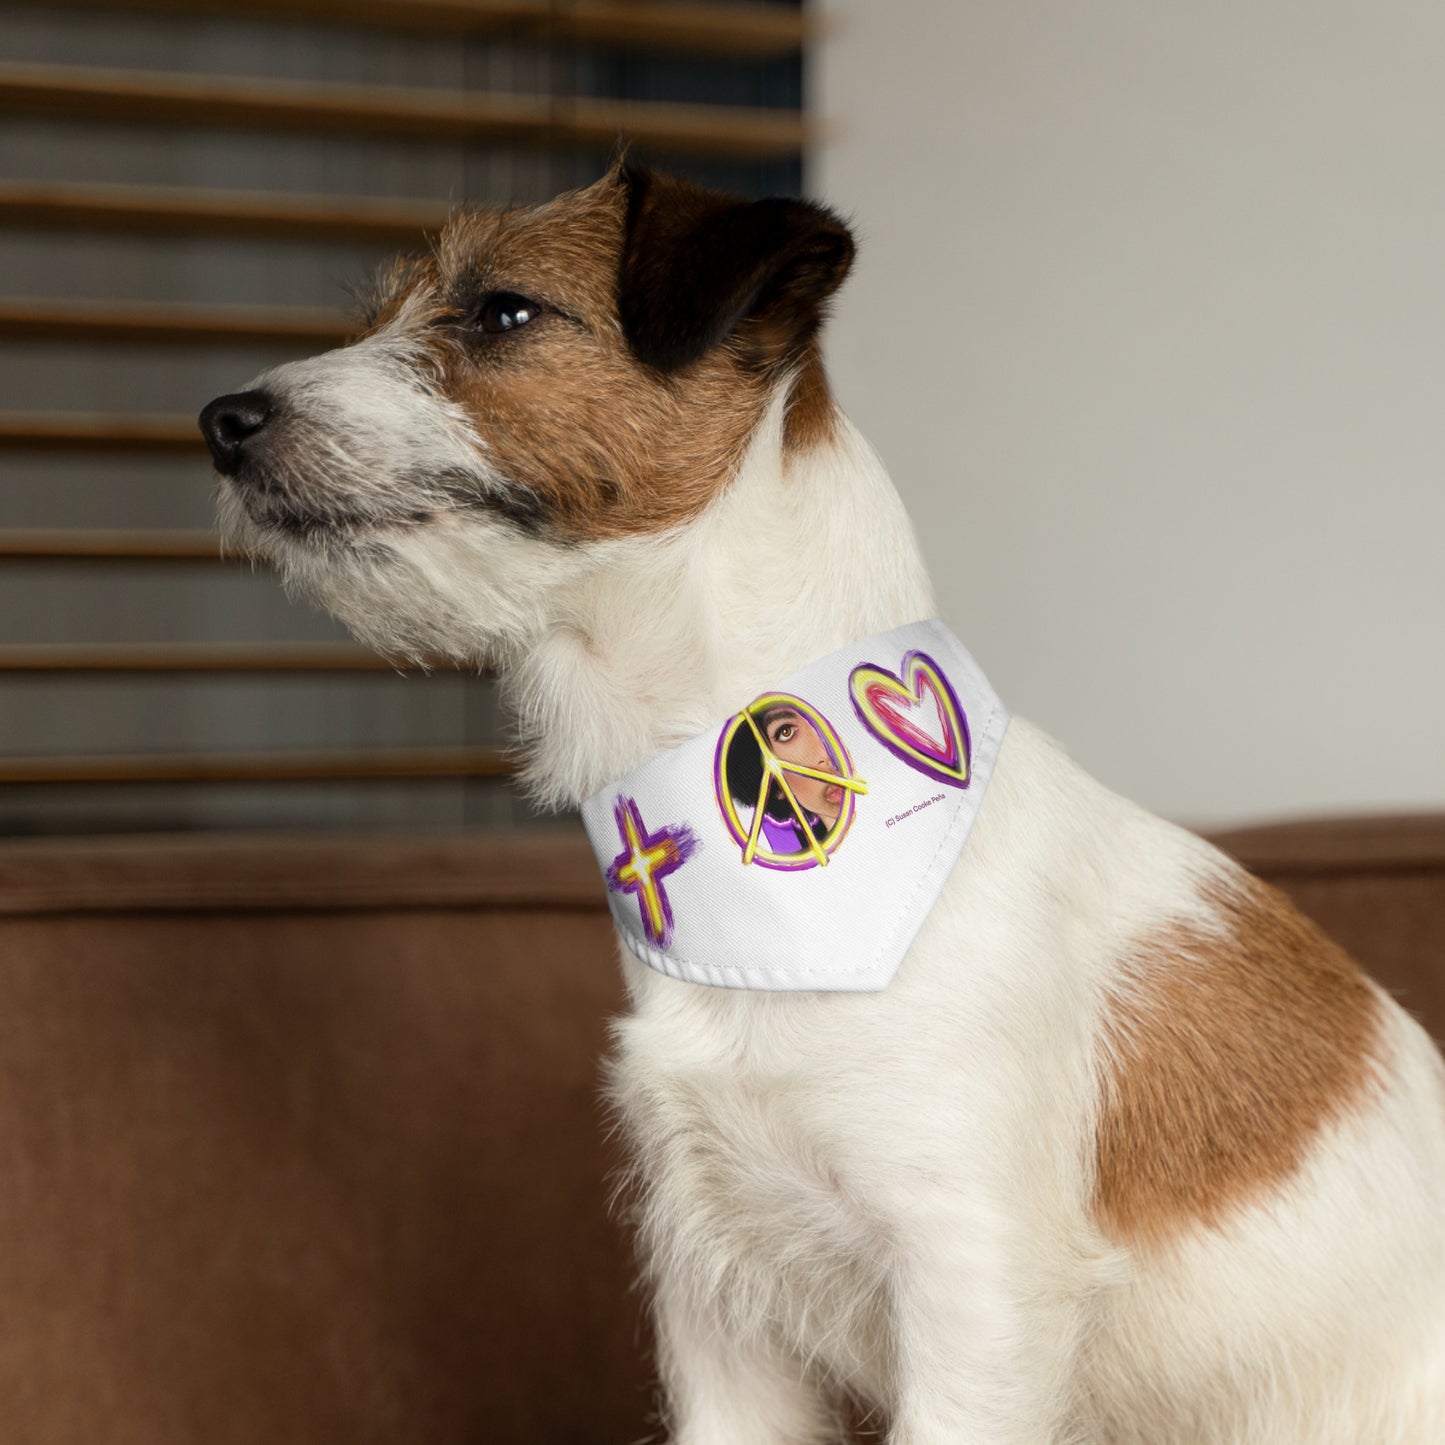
x=505, y=311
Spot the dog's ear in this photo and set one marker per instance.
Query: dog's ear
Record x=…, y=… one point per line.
x=698, y=267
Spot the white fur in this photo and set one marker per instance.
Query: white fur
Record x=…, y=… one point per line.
x=889, y=1194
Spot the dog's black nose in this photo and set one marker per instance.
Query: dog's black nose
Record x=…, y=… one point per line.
x=229, y=422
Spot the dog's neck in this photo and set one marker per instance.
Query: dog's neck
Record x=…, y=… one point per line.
x=805, y=552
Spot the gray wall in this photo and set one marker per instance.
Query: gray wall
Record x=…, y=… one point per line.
x=1149, y=324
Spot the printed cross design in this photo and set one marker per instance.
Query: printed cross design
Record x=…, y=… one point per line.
x=645, y=860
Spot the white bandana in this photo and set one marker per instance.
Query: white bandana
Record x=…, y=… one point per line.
x=801, y=843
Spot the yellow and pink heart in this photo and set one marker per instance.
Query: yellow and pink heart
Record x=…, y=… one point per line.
x=916, y=715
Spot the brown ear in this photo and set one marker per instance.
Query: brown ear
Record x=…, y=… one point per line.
x=699, y=266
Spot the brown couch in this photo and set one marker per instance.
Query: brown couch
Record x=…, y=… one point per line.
x=300, y=1142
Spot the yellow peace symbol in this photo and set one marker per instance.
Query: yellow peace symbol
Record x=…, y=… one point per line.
x=776, y=769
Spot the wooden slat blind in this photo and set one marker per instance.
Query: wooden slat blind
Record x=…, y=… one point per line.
x=222, y=102
x=706, y=29
x=168, y=210
x=172, y=323
x=313, y=112
x=80, y=431
x=81, y=544
x=272, y=766
x=216, y=657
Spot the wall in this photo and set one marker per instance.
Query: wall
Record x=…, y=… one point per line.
x=1149, y=324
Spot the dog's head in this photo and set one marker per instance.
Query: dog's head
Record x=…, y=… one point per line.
x=545, y=383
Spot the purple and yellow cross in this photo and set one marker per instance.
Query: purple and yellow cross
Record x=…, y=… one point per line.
x=645, y=860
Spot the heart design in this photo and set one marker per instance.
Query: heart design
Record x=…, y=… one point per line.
x=916, y=715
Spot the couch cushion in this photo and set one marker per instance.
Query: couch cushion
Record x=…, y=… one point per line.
x=300, y=1136
x=301, y=1142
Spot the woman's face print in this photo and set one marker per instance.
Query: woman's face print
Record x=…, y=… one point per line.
x=793, y=739
x=785, y=784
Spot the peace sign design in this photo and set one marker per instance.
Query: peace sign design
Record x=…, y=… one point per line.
x=781, y=758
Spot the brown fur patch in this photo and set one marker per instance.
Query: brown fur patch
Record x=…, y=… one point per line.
x=1226, y=1053
x=602, y=444
x=812, y=418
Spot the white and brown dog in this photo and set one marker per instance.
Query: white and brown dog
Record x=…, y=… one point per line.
x=1127, y=1152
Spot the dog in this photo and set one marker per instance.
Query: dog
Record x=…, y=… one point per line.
x=1126, y=1153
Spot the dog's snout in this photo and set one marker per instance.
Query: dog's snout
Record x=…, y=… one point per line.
x=229, y=422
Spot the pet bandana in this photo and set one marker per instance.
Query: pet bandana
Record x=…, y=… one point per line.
x=801, y=842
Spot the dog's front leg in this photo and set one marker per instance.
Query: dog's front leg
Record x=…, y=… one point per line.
x=985, y=1345
x=723, y=1389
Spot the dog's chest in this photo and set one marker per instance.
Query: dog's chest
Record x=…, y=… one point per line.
x=747, y=1182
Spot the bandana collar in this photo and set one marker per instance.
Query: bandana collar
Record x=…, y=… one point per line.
x=801, y=843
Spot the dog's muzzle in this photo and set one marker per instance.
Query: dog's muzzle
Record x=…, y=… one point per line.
x=231, y=425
